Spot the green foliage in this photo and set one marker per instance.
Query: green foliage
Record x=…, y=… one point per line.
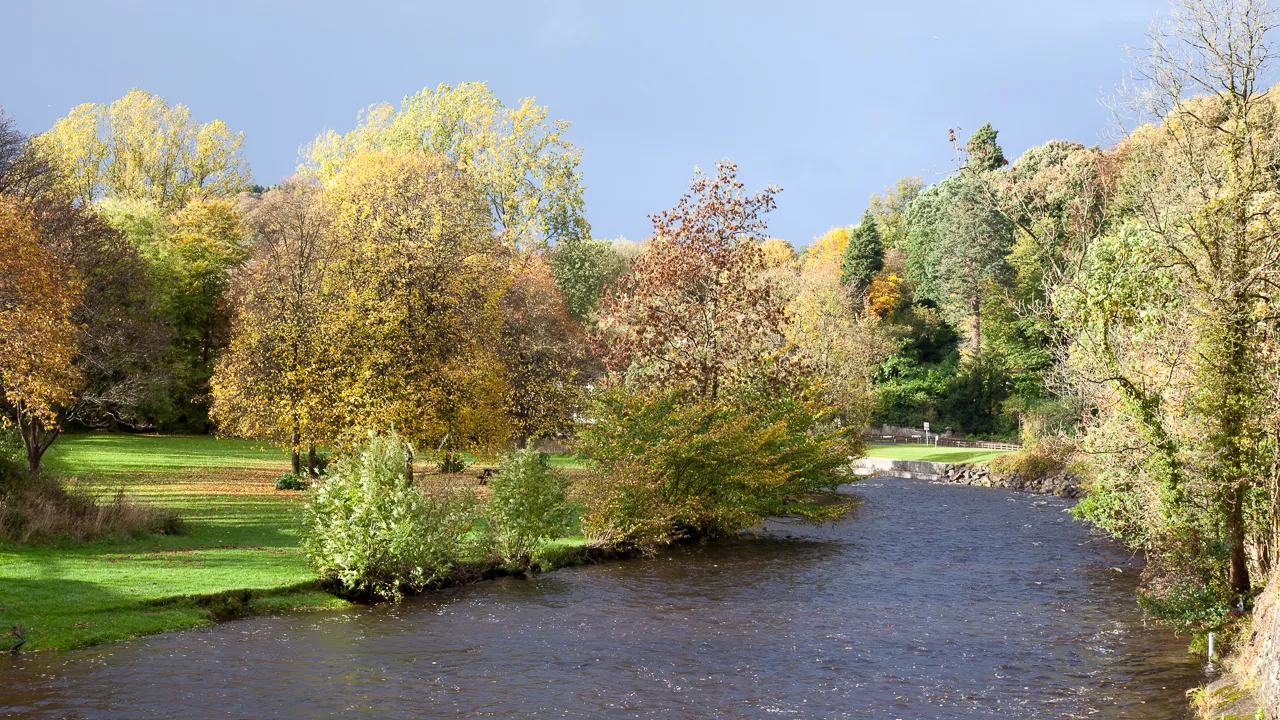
x=909, y=392
x=527, y=506
x=292, y=481
x=863, y=254
x=983, y=152
x=957, y=244
x=975, y=398
x=583, y=268
x=375, y=532
x=670, y=464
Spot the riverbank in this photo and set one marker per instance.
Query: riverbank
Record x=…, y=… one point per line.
x=239, y=557
x=928, y=601
x=957, y=466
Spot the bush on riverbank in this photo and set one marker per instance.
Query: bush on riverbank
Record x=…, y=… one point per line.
x=374, y=532
x=527, y=507
x=670, y=465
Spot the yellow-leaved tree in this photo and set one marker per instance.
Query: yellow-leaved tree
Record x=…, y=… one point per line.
x=829, y=327
x=37, y=336
x=140, y=147
x=419, y=275
x=523, y=167
x=276, y=379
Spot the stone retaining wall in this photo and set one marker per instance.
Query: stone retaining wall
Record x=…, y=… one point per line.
x=977, y=475
x=1060, y=484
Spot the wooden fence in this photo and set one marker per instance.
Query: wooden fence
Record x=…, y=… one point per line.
x=939, y=440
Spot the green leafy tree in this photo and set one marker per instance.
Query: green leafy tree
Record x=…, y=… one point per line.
x=957, y=249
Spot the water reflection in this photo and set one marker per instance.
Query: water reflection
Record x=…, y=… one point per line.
x=933, y=602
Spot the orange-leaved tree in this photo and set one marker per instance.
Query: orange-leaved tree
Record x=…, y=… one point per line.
x=37, y=335
x=544, y=353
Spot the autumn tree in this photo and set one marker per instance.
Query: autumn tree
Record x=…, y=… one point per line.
x=838, y=340
x=544, y=354
x=890, y=210
x=37, y=335
x=1170, y=316
x=420, y=275
x=119, y=335
x=694, y=310
x=276, y=379
x=584, y=268
x=140, y=147
x=522, y=165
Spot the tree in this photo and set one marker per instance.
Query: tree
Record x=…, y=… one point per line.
x=523, y=167
x=37, y=335
x=863, y=254
x=839, y=343
x=890, y=210
x=276, y=378
x=23, y=172
x=957, y=245
x=694, y=310
x=140, y=147
x=1170, y=317
x=120, y=340
x=584, y=268
x=543, y=352
x=119, y=337
x=419, y=275
x=199, y=248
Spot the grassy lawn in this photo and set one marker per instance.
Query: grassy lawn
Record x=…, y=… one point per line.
x=933, y=454
x=241, y=538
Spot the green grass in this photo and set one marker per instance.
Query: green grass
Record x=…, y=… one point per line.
x=241, y=537
x=933, y=454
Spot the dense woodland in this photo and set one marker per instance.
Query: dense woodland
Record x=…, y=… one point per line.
x=432, y=273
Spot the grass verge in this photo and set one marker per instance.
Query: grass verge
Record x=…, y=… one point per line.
x=933, y=454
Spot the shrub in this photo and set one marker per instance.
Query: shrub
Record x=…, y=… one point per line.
x=374, y=532
x=527, y=506
x=44, y=509
x=290, y=481
x=1034, y=462
x=671, y=465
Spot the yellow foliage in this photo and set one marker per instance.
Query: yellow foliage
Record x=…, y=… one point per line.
x=883, y=294
x=37, y=336
x=828, y=248
x=777, y=253
x=140, y=147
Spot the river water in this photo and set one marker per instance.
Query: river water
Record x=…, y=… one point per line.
x=931, y=601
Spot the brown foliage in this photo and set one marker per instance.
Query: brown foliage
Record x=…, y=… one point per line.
x=43, y=509
x=696, y=307
x=543, y=351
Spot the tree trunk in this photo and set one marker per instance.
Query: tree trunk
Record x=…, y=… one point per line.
x=1238, y=574
x=311, y=460
x=975, y=327
x=295, y=460
x=36, y=439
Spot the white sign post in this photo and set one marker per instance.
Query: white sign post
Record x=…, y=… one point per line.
x=926, y=433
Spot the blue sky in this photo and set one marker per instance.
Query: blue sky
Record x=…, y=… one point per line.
x=829, y=100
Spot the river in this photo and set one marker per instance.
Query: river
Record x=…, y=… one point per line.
x=930, y=601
